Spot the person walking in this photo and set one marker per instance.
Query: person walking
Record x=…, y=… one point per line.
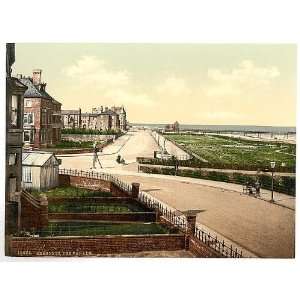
x=95, y=156
x=257, y=188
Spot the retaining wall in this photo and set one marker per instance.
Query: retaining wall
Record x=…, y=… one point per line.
x=92, y=246
x=34, y=213
x=199, y=249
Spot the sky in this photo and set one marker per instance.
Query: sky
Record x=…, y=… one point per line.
x=205, y=84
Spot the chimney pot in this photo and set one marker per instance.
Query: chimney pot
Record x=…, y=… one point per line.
x=36, y=76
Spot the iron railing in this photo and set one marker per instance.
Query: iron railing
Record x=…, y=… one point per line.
x=219, y=246
x=174, y=216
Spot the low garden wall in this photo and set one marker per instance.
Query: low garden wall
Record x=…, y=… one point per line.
x=199, y=249
x=34, y=213
x=84, y=182
x=92, y=246
x=92, y=183
x=282, y=184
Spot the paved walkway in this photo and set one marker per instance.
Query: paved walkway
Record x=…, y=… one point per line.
x=262, y=228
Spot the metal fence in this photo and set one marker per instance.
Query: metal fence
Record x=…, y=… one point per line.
x=174, y=216
x=217, y=245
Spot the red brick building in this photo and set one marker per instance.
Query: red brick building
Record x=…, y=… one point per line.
x=42, y=113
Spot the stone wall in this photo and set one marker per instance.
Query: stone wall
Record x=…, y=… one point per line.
x=91, y=246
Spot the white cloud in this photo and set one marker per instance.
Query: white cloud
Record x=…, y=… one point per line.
x=246, y=77
x=173, y=86
x=98, y=77
x=120, y=96
x=89, y=69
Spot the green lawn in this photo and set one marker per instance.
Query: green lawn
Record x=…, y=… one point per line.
x=227, y=150
x=81, y=207
x=72, y=144
x=71, y=191
x=93, y=228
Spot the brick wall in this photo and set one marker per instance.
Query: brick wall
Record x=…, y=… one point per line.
x=90, y=183
x=91, y=246
x=116, y=191
x=93, y=184
x=34, y=214
x=117, y=217
x=199, y=249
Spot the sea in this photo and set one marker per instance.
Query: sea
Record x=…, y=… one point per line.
x=232, y=128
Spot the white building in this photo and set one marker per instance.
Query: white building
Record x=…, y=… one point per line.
x=39, y=170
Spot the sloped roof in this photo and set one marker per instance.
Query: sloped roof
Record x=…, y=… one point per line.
x=69, y=112
x=108, y=112
x=89, y=115
x=33, y=91
x=36, y=158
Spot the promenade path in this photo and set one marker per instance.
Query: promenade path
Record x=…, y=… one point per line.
x=263, y=228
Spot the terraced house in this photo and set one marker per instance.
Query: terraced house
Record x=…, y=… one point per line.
x=100, y=118
x=42, y=113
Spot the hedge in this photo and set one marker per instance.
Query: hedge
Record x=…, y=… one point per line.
x=195, y=163
x=282, y=184
x=90, y=131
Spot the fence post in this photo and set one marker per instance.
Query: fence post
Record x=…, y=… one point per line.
x=135, y=190
x=190, y=227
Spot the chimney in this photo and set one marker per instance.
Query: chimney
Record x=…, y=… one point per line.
x=101, y=109
x=19, y=76
x=43, y=87
x=106, y=109
x=36, y=76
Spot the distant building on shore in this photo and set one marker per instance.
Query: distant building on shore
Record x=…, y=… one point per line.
x=122, y=116
x=42, y=113
x=99, y=119
x=172, y=127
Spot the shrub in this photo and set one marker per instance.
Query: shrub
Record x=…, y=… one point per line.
x=282, y=184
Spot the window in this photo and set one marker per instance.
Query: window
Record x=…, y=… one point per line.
x=26, y=137
x=28, y=118
x=44, y=117
x=28, y=103
x=12, y=159
x=14, y=111
x=12, y=185
x=43, y=135
x=26, y=174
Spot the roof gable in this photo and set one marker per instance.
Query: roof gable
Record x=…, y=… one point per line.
x=37, y=158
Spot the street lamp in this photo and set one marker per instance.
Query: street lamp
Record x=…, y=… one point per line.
x=272, y=163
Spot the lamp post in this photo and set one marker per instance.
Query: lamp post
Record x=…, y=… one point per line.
x=272, y=163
